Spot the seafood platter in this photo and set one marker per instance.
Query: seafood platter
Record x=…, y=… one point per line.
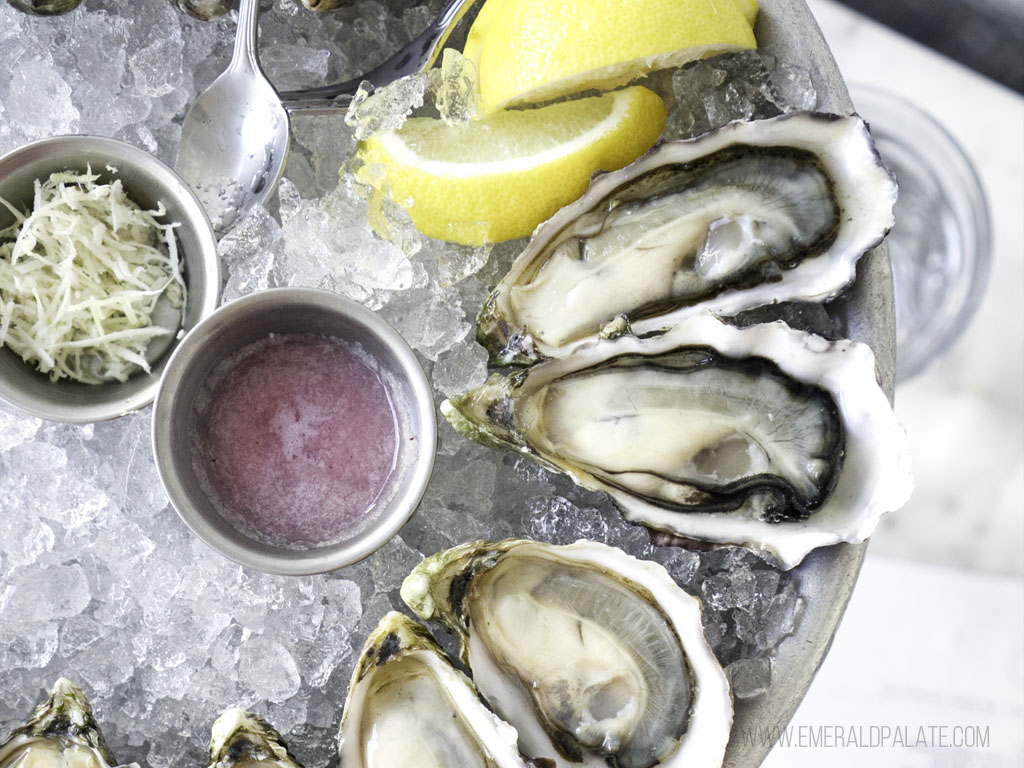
x=652, y=319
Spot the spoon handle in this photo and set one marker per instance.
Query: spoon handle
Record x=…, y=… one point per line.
x=245, y=56
x=418, y=55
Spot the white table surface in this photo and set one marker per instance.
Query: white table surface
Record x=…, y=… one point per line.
x=965, y=414
x=926, y=670
x=931, y=649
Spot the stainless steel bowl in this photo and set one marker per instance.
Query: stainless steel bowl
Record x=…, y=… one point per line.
x=148, y=182
x=288, y=311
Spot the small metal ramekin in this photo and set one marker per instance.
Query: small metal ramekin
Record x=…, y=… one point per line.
x=177, y=413
x=148, y=182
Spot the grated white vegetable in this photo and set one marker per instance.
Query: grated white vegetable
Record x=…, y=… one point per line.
x=80, y=278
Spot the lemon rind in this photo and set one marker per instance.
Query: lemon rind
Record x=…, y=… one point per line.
x=610, y=77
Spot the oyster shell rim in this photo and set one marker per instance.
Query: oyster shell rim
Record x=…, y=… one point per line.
x=64, y=716
x=875, y=476
x=851, y=167
x=401, y=636
x=875, y=444
x=235, y=724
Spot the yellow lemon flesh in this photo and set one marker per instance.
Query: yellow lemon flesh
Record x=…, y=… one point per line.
x=535, y=51
x=498, y=178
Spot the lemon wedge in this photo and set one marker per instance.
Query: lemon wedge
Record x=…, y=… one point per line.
x=498, y=178
x=530, y=52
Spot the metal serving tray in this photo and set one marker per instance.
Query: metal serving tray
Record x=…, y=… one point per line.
x=787, y=30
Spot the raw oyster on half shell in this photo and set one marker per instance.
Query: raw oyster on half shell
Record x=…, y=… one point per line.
x=61, y=733
x=598, y=659
x=241, y=739
x=763, y=436
x=408, y=706
x=749, y=214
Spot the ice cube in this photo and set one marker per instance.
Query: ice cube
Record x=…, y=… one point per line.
x=327, y=144
x=681, y=564
x=449, y=264
x=328, y=244
x=387, y=107
x=459, y=369
x=16, y=427
x=225, y=651
x=38, y=101
x=249, y=254
x=432, y=322
x=454, y=89
x=559, y=521
x=781, y=618
x=796, y=88
x=715, y=591
x=157, y=68
x=267, y=669
x=291, y=66
x=28, y=645
x=749, y=677
x=39, y=594
x=23, y=538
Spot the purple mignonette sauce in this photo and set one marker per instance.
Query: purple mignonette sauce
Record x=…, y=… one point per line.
x=298, y=440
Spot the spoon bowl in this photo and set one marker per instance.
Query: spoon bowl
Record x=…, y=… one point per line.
x=234, y=140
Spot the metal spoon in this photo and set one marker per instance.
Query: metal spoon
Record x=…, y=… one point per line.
x=234, y=140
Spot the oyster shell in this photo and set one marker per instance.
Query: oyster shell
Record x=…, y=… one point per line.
x=407, y=705
x=764, y=436
x=241, y=739
x=326, y=5
x=746, y=215
x=45, y=7
x=597, y=658
x=205, y=10
x=61, y=733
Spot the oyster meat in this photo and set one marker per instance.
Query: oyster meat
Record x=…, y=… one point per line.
x=61, y=733
x=598, y=659
x=763, y=436
x=749, y=214
x=241, y=739
x=408, y=706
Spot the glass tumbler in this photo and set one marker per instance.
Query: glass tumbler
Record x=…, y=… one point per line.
x=940, y=246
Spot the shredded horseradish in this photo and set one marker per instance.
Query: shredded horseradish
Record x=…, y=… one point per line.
x=80, y=278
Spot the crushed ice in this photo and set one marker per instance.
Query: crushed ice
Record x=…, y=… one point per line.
x=101, y=582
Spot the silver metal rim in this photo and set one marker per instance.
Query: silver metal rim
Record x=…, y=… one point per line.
x=97, y=149
x=295, y=563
